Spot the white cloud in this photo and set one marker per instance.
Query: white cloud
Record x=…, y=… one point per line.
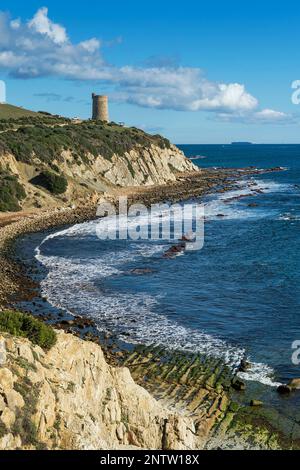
x=264, y=116
x=43, y=25
x=42, y=48
x=271, y=115
x=15, y=24
x=91, y=45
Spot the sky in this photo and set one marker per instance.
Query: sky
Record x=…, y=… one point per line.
x=194, y=71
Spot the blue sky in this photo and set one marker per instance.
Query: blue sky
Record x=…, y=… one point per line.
x=197, y=72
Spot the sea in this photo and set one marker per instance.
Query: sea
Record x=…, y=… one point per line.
x=236, y=298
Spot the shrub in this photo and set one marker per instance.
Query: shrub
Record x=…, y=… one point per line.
x=45, y=137
x=56, y=184
x=11, y=192
x=26, y=326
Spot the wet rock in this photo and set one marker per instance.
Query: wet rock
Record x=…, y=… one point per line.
x=141, y=271
x=244, y=366
x=294, y=384
x=238, y=385
x=174, y=250
x=67, y=322
x=253, y=205
x=284, y=390
x=256, y=403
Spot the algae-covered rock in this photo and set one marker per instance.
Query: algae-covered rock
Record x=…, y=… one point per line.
x=238, y=385
x=256, y=403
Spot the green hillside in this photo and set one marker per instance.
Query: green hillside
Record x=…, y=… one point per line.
x=8, y=111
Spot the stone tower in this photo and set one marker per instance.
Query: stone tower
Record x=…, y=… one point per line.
x=100, y=108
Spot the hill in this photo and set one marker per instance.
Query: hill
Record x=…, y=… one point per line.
x=48, y=161
x=8, y=111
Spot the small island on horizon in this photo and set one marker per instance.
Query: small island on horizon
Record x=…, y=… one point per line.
x=241, y=143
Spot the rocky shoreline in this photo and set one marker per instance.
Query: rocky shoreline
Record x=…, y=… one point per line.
x=207, y=391
x=14, y=282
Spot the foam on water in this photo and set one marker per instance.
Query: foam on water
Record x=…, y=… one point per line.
x=75, y=285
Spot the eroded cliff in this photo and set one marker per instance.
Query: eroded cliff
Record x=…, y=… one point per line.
x=56, y=162
x=70, y=398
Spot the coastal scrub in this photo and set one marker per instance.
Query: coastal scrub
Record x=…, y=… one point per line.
x=26, y=326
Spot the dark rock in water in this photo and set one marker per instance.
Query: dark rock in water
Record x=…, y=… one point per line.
x=238, y=385
x=253, y=205
x=141, y=271
x=294, y=384
x=174, y=250
x=67, y=322
x=244, y=366
x=256, y=403
x=284, y=390
x=220, y=215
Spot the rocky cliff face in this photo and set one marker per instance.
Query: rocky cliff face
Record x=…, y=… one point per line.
x=93, y=158
x=70, y=398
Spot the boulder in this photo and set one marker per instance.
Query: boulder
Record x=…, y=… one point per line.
x=6, y=379
x=244, y=366
x=284, y=389
x=238, y=385
x=14, y=399
x=294, y=384
x=8, y=417
x=256, y=403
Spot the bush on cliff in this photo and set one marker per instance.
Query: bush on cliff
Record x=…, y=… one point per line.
x=11, y=192
x=26, y=326
x=56, y=184
x=47, y=137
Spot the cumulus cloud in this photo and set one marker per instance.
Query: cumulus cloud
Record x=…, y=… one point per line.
x=40, y=23
x=42, y=48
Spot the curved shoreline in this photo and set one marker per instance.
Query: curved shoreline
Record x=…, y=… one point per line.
x=15, y=282
x=12, y=226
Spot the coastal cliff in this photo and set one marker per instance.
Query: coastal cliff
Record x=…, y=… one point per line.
x=52, y=162
x=70, y=398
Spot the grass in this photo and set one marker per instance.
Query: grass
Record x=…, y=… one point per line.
x=8, y=111
x=26, y=326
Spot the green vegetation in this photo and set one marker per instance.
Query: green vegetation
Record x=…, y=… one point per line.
x=26, y=326
x=46, y=137
x=56, y=184
x=11, y=192
x=8, y=111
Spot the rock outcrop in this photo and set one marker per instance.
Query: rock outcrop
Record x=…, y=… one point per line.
x=91, y=158
x=70, y=398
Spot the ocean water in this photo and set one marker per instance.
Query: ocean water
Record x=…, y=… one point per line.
x=237, y=297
